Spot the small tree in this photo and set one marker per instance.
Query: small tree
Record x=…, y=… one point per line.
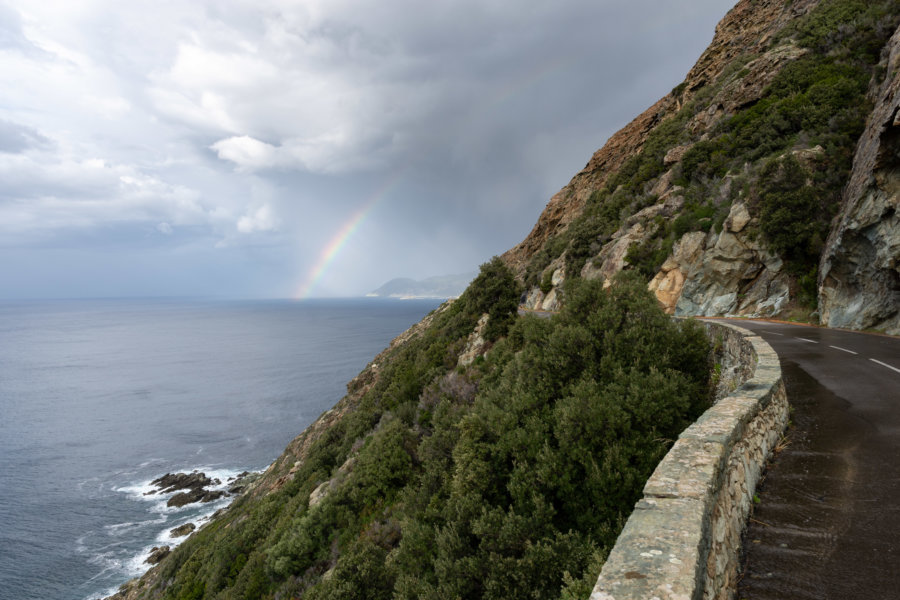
x=495, y=291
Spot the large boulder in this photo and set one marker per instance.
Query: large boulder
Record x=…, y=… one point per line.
x=157, y=554
x=182, y=530
x=729, y=273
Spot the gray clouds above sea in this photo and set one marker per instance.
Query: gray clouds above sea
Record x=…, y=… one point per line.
x=223, y=147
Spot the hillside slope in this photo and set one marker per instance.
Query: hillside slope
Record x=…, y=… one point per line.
x=722, y=194
x=484, y=455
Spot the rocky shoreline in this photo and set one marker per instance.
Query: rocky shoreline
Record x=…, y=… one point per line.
x=191, y=488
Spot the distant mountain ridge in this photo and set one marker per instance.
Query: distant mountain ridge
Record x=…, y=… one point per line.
x=442, y=286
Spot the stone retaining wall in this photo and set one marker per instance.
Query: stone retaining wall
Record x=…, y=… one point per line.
x=682, y=542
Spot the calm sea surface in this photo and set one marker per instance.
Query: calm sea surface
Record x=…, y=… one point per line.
x=97, y=398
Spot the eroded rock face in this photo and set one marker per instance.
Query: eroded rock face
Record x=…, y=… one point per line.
x=859, y=274
x=549, y=301
x=611, y=259
x=669, y=282
x=475, y=343
x=728, y=273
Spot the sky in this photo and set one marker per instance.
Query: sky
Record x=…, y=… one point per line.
x=276, y=149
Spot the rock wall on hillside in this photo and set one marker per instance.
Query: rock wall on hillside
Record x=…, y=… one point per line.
x=859, y=282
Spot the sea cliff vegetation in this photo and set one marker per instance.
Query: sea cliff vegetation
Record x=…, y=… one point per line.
x=509, y=477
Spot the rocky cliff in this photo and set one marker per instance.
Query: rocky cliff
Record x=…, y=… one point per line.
x=745, y=29
x=723, y=192
x=859, y=285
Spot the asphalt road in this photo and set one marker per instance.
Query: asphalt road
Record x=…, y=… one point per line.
x=827, y=523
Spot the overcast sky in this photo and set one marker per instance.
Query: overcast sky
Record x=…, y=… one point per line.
x=271, y=148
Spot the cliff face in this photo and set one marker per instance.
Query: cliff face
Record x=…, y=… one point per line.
x=696, y=192
x=859, y=285
x=747, y=28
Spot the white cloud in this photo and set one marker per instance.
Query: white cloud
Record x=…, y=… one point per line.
x=247, y=153
x=258, y=220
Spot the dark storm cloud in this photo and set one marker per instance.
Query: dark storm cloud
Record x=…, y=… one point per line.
x=225, y=125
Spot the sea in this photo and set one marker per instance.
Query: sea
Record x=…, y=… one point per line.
x=100, y=397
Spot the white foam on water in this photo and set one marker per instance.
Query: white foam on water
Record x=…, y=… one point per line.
x=112, y=553
x=140, y=491
x=118, y=529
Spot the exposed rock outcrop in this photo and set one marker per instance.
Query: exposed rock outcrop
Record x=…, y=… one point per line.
x=194, y=486
x=182, y=530
x=172, y=482
x=729, y=273
x=157, y=554
x=859, y=275
x=475, y=343
x=537, y=299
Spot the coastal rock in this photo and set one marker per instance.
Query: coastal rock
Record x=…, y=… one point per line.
x=203, y=496
x=157, y=554
x=859, y=273
x=242, y=481
x=182, y=530
x=194, y=484
x=171, y=482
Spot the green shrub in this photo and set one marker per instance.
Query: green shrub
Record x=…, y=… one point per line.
x=547, y=281
x=791, y=211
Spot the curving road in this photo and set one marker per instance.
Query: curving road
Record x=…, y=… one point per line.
x=827, y=525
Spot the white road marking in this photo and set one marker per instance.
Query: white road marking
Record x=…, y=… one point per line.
x=843, y=349
x=806, y=340
x=773, y=333
x=885, y=365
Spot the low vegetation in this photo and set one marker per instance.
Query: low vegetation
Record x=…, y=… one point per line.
x=509, y=478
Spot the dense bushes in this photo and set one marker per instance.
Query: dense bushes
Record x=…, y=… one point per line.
x=792, y=215
x=510, y=478
x=534, y=478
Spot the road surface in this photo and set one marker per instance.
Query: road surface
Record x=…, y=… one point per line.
x=827, y=523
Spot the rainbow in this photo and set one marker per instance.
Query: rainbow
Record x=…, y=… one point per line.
x=346, y=231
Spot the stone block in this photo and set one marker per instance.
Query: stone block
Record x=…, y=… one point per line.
x=724, y=423
x=661, y=553
x=691, y=469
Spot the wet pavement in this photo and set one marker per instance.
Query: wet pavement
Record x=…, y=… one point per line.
x=827, y=521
